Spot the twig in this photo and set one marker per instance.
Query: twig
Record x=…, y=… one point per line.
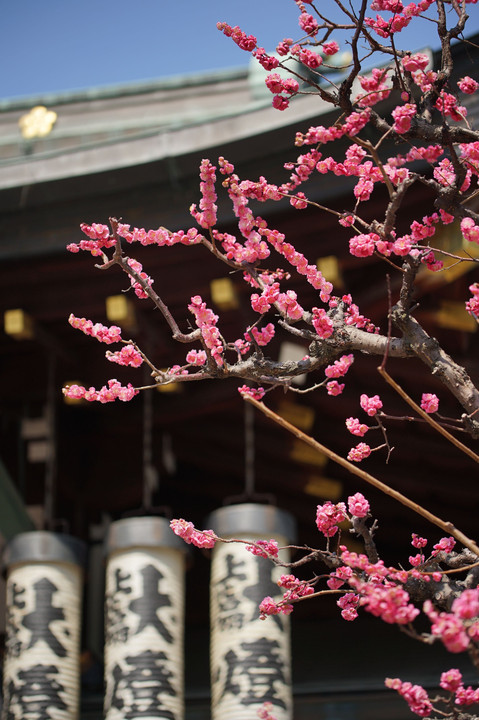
x=426, y=417
x=354, y=470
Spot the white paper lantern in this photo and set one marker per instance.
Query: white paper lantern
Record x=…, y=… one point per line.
x=144, y=621
x=250, y=658
x=42, y=656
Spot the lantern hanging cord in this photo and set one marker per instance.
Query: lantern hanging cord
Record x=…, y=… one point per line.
x=249, y=454
x=51, y=462
x=149, y=472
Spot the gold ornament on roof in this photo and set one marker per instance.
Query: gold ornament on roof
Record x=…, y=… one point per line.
x=38, y=122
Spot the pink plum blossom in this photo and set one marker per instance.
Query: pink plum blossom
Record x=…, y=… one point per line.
x=349, y=604
x=358, y=505
x=206, y=216
x=419, y=61
x=196, y=357
x=466, y=606
x=128, y=355
x=264, y=548
x=448, y=627
x=255, y=393
x=334, y=388
x=328, y=516
x=360, y=452
x=403, y=115
x=268, y=606
x=108, y=393
x=445, y=544
x=451, y=680
x=187, y=531
x=370, y=404
x=415, y=696
x=472, y=305
x=355, y=427
x=470, y=230
x=429, y=402
x=468, y=85
x=330, y=48
x=322, y=323
x=100, y=332
x=418, y=542
x=265, y=712
x=363, y=245
x=339, y=367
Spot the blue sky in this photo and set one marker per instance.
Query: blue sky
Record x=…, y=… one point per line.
x=55, y=45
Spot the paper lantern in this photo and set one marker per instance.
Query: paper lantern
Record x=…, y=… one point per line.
x=42, y=655
x=250, y=658
x=144, y=620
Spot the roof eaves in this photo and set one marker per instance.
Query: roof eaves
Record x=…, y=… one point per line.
x=143, y=87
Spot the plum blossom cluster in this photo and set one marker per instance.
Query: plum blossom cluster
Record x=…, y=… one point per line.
x=128, y=355
x=472, y=305
x=282, y=88
x=187, y=531
x=265, y=712
x=389, y=602
x=99, y=238
x=415, y=695
x=364, y=584
x=429, y=402
x=403, y=115
x=206, y=320
x=400, y=18
x=445, y=545
x=447, y=104
x=334, y=388
x=295, y=590
x=244, y=41
x=467, y=85
x=356, y=427
x=255, y=393
x=340, y=367
x=360, y=452
x=322, y=323
x=452, y=681
x=206, y=217
x=261, y=336
x=114, y=390
x=349, y=606
x=196, y=357
x=139, y=280
x=365, y=244
x=470, y=230
x=269, y=606
x=378, y=589
x=330, y=515
x=358, y=506
x=376, y=88
x=102, y=333
x=264, y=548
x=370, y=405
x=160, y=237
x=298, y=261
x=459, y=696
